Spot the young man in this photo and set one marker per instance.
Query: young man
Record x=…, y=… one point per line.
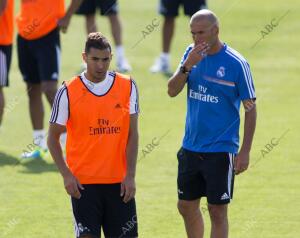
x=218, y=79
x=99, y=109
x=6, y=40
x=39, y=57
x=110, y=9
x=169, y=10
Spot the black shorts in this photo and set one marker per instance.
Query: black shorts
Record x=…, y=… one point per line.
x=101, y=206
x=208, y=175
x=39, y=60
x=5, y=61
x=107, y=7
x=170, y=7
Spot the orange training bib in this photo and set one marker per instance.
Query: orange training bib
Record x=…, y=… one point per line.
x=39, y=17
x=6, y=24
x=97, y=131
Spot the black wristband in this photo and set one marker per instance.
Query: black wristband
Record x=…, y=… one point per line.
x=184, y=70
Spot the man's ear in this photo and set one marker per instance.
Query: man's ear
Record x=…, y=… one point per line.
x=215, y=30
x=84, y=56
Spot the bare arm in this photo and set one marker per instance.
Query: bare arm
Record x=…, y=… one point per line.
x=64, y=22
x=177, y=81
x=2, y=6
x=132, y=145
x=249, y=125
x=55, y=130
x=70, y=182
x=128, y=185
x=242, y=159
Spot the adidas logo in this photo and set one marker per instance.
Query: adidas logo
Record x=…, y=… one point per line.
x=225, y=196
x=118, y=106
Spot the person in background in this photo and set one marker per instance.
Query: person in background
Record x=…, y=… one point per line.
x=169, y=10
x=6, y=41
x=110, y=9
x=38, y=43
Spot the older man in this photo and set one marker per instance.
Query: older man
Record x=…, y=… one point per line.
x=218, y=79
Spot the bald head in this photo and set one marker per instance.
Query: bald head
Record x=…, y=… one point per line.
x=205, y=15
x=204, y=27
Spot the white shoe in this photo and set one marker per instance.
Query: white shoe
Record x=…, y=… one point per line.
x=123, y=65
x=39, y=153
x=161, y=66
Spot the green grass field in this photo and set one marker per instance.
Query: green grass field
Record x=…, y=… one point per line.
x=266, y=200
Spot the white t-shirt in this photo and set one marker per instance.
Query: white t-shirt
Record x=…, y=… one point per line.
x=60, y=108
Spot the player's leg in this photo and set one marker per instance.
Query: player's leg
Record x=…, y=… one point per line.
x=192, y=217
x=47, y=52
x=88, y=9
x=162, y=63
x=36, y=107
x=90, y=21
x=219, y=179
x=169, y=10
x=120, y=219
x=29, y=69
x=5, y=60
x=168, y=32
x=191, y=187
x=49, y=88
x=219, y=220
x=116, y=28
x=39, y=64
x=110, y=9
x=49, y=66
x=88, y=212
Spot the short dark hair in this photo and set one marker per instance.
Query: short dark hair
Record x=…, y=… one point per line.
x=96, y=40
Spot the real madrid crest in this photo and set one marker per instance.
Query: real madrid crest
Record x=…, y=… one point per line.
x=221, y=72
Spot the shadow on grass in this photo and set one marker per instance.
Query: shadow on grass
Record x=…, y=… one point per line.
x=6, y=159
x=32, y=166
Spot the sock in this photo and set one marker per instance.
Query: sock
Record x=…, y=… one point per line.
x=165, y=56
x=120, y=52
x=40, y=139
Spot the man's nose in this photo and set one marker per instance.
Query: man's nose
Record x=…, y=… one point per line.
x=100, y=65
x=197, y=39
